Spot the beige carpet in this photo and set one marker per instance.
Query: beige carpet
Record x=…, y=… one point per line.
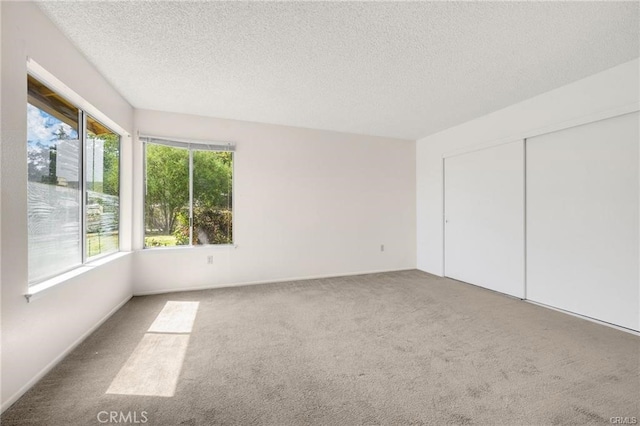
x=394, y=348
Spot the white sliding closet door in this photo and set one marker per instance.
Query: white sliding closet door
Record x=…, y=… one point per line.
x=484, y=218
x=582, y=220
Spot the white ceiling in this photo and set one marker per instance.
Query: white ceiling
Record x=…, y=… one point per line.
x=400, y=69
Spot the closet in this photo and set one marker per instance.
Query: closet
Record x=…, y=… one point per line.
x=553, y=219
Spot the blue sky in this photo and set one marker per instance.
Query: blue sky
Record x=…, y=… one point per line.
x=41, y=127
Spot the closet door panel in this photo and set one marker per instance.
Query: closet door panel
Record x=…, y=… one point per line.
x=582, y=220
x=484, y=218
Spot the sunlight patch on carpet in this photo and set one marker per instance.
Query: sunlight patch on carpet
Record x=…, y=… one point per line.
x=153, y=367
x=175, y=317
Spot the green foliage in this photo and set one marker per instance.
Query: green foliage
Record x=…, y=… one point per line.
x=152, y=242
x=181, y=232
x=159, y=241
x=167, y=196
x=212, y=178
x=111, y=164
x=167, y=185
x=210, y=226
x=52, y=177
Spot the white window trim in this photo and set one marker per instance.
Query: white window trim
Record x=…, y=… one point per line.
x=190, y=145
x=36, y=290
x=37, y=71
x=87, y=263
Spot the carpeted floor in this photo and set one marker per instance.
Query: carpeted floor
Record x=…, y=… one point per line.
x=394, y=348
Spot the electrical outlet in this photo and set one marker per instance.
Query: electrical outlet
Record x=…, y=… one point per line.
x=381, y=247
x=210, y=260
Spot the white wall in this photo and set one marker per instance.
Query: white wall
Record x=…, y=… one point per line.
x=1, y=138
x=35, y=335
x=308, y=203
x=613, y=89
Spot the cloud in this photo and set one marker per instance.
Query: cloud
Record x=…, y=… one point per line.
x=42, y=127
x=37, y=130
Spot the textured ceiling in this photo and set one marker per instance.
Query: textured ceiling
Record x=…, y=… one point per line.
x=400, y=69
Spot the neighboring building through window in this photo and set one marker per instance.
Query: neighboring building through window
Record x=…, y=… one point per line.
x=188, y=193
x=73, y=185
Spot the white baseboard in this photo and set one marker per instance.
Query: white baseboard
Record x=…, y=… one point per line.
x=584, y=317
x=279, y=280
x=430, y=272
x=542, y=305
x=9, y=402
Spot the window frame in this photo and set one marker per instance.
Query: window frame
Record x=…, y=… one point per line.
x=85, y=193
x=191, y=146
x=85, y=109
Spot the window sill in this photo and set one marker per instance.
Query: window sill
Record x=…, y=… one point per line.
x=198, y=247
x=37, y=290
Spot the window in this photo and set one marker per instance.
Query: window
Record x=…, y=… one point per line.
x=188, y=193
x=73, y=185
x=102, y=213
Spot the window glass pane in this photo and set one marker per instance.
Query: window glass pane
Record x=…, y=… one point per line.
x=212, y=204
x=167, y=196
x=102, y=213
x=53, y=197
